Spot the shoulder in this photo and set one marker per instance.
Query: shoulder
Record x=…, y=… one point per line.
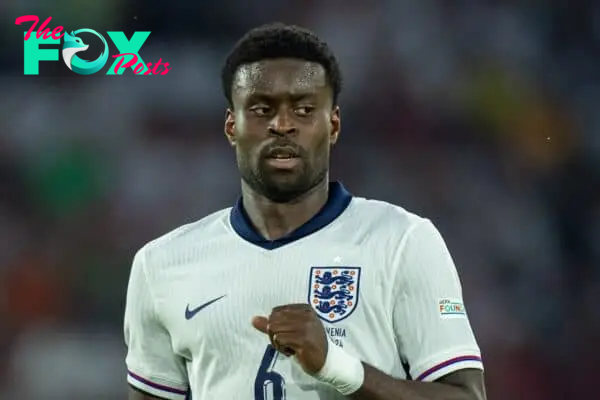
x=390, y=228
x=185, y=240
x=412, y=245
x=382, y=217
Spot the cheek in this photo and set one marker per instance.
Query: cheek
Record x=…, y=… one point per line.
x=243, y=133
x=248, y=128
x=322, y=136
x=323, y=126
x=319, y=153
x=247, y=148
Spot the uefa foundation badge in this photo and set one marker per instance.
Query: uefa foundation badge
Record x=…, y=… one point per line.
x=452, y=308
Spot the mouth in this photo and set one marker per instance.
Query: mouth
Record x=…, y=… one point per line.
x=283, y=158
x=282, y=153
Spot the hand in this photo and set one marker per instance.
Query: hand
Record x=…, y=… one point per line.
x=295, y=329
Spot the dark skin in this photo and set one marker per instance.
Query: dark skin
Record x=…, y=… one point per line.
x=135, y=394
x=288, y=103
x=282, y=103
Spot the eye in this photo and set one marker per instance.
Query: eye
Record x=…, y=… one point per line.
x=261, y=110
x=304, y=111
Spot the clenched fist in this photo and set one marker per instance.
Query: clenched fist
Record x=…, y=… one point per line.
x=295, y=329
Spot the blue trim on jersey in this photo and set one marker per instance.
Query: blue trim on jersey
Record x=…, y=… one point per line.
x=338, y=201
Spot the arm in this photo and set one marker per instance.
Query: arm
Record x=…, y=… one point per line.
x=466, y=384
x=433, y=331
x=153, y=370
x=135, y=394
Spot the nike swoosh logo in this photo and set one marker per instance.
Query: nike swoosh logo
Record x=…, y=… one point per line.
x=189, y=314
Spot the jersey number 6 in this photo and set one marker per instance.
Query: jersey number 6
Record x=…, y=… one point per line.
x=267, y=379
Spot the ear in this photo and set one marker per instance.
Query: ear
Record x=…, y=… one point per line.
x=336, y=125
x=230, y=127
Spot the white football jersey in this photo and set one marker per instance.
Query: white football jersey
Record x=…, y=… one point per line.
x=380, y=278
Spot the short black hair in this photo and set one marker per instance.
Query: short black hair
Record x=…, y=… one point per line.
x=279, y=40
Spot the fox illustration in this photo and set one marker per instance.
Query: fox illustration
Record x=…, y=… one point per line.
x=73, y=45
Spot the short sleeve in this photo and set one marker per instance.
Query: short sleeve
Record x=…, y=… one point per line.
x=152, y=366
x=430, y=320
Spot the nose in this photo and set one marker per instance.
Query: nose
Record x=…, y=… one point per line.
x=282, y=124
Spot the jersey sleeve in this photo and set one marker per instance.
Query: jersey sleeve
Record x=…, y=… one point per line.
x=152, y=367
x=430, y=321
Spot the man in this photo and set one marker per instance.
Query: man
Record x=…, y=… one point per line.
x=300, y=291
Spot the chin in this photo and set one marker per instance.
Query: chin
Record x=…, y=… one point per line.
x=284, y=189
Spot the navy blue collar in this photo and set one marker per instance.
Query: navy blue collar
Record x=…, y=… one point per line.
x=338, y=201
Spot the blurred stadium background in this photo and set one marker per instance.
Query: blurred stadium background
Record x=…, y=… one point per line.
x=481, y=115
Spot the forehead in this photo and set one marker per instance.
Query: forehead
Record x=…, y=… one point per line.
x=279, y=77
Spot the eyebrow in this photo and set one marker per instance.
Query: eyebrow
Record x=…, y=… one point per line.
x=289, y=96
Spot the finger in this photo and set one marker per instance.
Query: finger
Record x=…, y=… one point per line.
x=276, y=330
x=273, y=338
x=274, y=343
x=286, y=343
x=261, y=324
x=292, y=307
x=286, y=351
x=281, y=324
x=291, y=315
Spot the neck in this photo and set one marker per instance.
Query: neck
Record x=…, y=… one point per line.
x=276, y=220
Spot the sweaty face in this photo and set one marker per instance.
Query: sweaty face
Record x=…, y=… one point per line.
x=282, y=125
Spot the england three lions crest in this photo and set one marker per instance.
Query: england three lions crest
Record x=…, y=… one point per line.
x=333, y=291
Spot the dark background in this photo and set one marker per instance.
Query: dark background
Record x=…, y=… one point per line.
x=481, y=115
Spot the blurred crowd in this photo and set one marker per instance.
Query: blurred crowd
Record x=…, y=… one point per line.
x=480, y=115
